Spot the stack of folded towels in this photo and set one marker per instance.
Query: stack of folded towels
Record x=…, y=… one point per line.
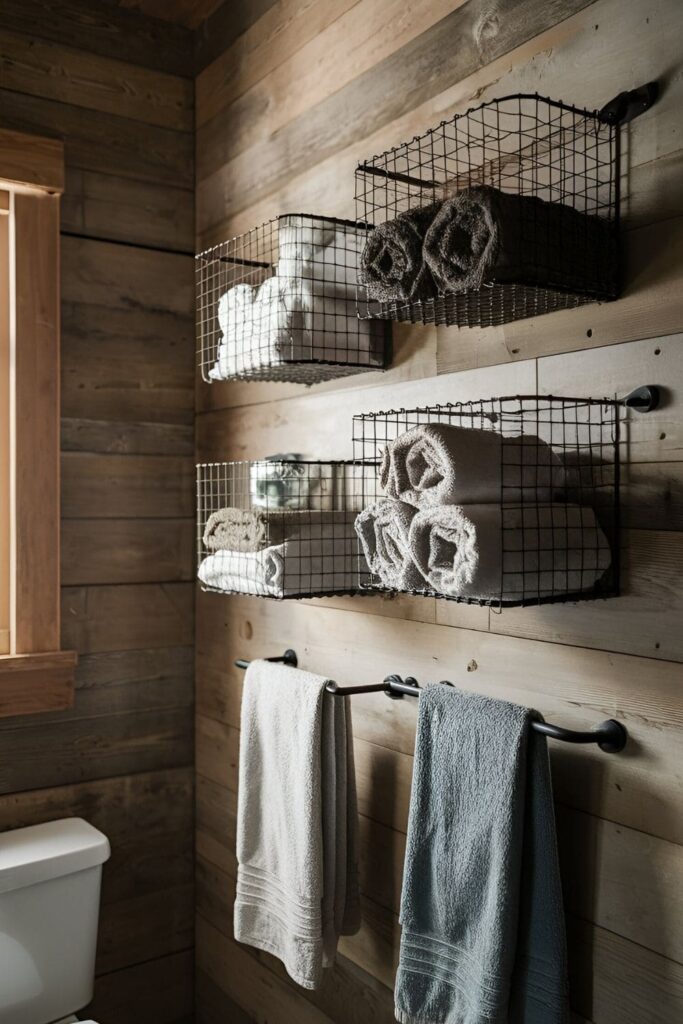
x=481, y=236
x=306, y=310
x=471, y=514
x=280, y=554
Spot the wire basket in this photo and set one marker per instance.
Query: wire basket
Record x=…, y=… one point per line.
x=507, y=501
x=505, y=212
x=279, y=303
x=281, y=527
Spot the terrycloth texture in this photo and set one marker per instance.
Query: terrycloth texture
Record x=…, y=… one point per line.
x=442, y=464
x=392, y=264
x=297, y=827
x=383, y=530
x=487, y=552
x=292, y=319
x=481, y=907
x=482, y=235
x=325, y=252
x=321, y=554
x=240, y=529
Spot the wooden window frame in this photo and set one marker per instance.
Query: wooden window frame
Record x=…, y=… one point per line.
x=36, y=675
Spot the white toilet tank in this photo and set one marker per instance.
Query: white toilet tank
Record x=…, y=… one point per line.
x=49, y=906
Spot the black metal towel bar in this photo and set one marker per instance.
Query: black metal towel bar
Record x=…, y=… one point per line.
x=610, y=736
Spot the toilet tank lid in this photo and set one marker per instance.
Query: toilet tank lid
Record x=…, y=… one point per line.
x=41, y=852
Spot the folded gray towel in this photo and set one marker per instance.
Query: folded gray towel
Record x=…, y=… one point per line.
x=392, y=264
x=241, y=529
x=443, y=464
x=482, y=235
x=483, y=937
x=489, y=553
x=297, y=828
x=383, y=530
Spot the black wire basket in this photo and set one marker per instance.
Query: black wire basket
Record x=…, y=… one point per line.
x=279, y=303
x=508, y=211
x=501, y=502
x=280, y=527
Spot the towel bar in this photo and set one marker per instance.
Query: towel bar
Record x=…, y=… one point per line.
x=610, y=736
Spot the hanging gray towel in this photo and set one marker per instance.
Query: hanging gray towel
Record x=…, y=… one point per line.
x=297, y=827
x=482, y=236
x=483, y=937
x=392, y=264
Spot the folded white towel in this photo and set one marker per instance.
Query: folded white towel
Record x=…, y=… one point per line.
x=318, y=250
x=383, y=530
x=485, y=552
x=289, y=320
x=297, y=885
x=320, y=555
x=442, y=464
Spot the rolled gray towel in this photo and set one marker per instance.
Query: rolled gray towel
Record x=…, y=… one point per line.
x=482, y=236
x=444, y=464
x=485, y=552
x=241, y=529
x=392, y=263
x=383, y=530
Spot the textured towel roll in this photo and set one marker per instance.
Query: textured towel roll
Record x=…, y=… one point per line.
x=297, y=827
x=240, y=529
x=392, y=264
x=383, y=529
x=485, y=552
x=483, y=938
x=320, y=555
x=482, y=235
x=442, y=464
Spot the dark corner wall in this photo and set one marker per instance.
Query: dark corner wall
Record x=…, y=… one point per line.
x=117, y=87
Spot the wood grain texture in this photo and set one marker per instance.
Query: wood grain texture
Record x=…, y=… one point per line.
x=32, y=160
x=104, y=28
x=64, y=73
x=189, y=13
x=113, y=86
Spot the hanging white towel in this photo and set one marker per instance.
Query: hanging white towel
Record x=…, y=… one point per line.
x=297, y=883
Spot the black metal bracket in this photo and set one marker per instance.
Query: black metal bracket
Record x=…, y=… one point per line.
x=630, y=104
x=643, y=399
x=610, y=736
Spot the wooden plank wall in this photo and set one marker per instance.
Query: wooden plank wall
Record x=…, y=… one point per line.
x=283, y=114
x=117, y=86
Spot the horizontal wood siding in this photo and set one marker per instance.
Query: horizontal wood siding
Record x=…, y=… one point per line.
x=285, y=109
x=117, y=86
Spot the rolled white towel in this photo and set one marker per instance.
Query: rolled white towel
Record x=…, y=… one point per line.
x=383, y=530
x=485, y=552
x=443, y=464
x=249, y=319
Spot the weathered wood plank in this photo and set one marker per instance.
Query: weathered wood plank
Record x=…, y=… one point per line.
x=107, y=29
x=52, y=71
x=121, y=209
x=127, y=550
x=79, y=750
x=105, y=143
x=217, y=32
x=116, y=276
x=214, y=1006
x=146, y=927
x=449, y=51
x=160, y=990
x=127, y=364
x=127, y=617
x=127, y=486
x=109, y=437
